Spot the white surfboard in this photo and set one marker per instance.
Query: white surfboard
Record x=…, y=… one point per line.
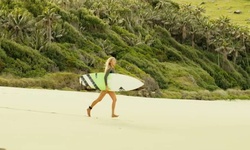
x=116, y=82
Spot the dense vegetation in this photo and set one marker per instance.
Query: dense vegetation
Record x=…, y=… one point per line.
x=236, y=11
x=174, y=49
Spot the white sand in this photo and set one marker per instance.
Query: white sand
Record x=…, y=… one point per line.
x=32, y=119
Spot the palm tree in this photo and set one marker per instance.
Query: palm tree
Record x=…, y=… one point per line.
x=237, y=44
x=106, y=46
x=223, y=25
x=3, y=3
x=244, y=36
x=225, y=51
x=37, y=39
x=209, y=33
x=3, y=23
x=19, y=24
x=185, y=22
x=196, y=23
x=48, y=18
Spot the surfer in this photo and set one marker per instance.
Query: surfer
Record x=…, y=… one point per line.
x=109, y=68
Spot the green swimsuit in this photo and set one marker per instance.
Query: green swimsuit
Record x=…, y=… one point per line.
x=111, y=70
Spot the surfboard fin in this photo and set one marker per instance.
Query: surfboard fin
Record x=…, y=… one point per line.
x=121, y=89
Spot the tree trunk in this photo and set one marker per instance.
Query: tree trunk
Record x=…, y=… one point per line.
x=193, y=42
x=236, y=53
x=224, y=52
x=49, y=31
x=219, y=59
x=207, y=40
x=184, y=33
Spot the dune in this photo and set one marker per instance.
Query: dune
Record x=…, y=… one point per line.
x=38, y=119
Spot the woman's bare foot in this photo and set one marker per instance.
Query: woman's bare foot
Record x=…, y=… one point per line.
x=88, y=112
x=114, y=116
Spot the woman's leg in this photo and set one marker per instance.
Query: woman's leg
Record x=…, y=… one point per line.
x=100, y=97
x=113, y=97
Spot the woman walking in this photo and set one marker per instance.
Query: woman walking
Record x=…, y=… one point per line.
x=109, y=68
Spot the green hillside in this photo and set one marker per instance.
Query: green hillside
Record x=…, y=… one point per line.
x=177, y=51
x=217, y=8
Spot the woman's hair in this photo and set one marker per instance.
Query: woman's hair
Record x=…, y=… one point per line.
x=107, y=64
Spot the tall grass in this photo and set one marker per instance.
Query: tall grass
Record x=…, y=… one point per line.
x=59, y=81
x=230, y=94
x=217, y=8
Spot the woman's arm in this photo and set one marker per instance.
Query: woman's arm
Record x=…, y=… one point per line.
x=106, y=77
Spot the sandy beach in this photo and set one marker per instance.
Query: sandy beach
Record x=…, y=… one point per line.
x=37, y=119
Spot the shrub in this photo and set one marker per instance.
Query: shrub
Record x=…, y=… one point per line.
x=128, y=37
x=149, y=67
x=34, y=6
x=223, y=80
x=116, y=39
x=173, y=55
x=89, y=21
x=22, y=60
x=2, y=58
x=61, y=80
x=16, y=67
x=64, y=80
x=248, y=69
x=2, y=65
x=66, y=60
x=245, y=77
x=72, y=35
x=131, y=68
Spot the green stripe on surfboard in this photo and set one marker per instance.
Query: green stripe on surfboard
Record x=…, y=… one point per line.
x=98, y=78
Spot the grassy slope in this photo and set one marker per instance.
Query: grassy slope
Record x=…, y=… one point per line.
x=180, y=74
x=217, y=8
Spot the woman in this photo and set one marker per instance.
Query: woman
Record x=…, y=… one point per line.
x=109, y=68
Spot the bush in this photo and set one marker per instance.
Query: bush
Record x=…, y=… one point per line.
x=24, y=61
x=34, y=6
x=116, y=39
x=89, y=21
x=131, y=68
x=66, y=60
x=61, y=80
x=147, y=66
x=128, y=37
x=2, y=58
x=245, y=77
x=173, y=55
x=73, y=36
x=64, y=80
x=223, y=80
